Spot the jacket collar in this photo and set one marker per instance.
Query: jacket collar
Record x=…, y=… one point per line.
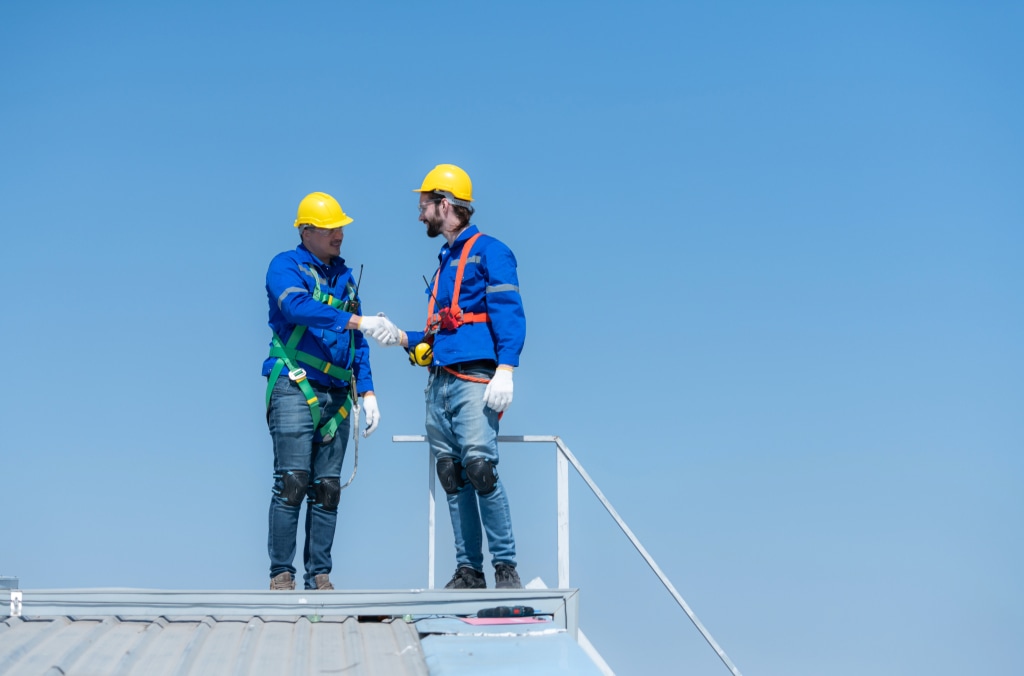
x=459, y=241
x=336, y=265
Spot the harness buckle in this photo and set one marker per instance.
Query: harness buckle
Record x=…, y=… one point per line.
x=297, y=375
x=449, y=320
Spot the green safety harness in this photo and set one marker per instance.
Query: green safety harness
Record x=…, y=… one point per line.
x=288, y=357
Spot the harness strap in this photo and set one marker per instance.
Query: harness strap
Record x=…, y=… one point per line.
x=296, y=374
x=472, y=379
x=463, y=376
x=325, y=367
x=454, y=312
x=460, y=272
x=330, y=428
x=288, y=357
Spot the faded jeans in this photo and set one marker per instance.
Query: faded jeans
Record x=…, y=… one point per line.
x=461, y=427
x=298, y=447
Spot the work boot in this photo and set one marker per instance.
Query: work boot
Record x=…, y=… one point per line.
x=467, y=578
x=282, y=581
x=323, y=581
x=506, y=577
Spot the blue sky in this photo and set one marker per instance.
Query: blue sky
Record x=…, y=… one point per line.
x=770, y=257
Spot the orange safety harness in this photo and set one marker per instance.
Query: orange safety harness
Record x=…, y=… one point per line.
x=453, y=317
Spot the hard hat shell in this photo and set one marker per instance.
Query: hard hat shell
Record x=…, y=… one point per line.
x=448, y=178
x=321, y=210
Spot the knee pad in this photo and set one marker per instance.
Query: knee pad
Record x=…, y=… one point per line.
x=293, y=487
x=449, y=473
x=328, y=493
x=482, y=475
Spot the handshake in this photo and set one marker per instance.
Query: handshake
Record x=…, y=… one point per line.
x=381, y=329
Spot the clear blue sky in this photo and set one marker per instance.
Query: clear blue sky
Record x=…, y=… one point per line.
x=770, y=255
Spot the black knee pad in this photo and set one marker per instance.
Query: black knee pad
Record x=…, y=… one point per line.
x=293, y=487
x=482, y=475
x=328, y=493
x=449, y=472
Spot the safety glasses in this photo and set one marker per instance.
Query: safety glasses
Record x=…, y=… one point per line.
x=423, y=207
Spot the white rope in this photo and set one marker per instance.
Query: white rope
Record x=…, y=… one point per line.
x=354, y=420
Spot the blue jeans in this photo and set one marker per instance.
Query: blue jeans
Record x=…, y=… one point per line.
x=297, y=447
x=461, y=427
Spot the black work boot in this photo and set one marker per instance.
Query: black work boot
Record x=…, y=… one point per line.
x=467, y=578
x=506, y=577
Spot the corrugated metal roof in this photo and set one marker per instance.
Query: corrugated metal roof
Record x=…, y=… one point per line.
x=133, y=632
x=209, y=645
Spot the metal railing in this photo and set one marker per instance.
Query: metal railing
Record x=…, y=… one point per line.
x=564, y=458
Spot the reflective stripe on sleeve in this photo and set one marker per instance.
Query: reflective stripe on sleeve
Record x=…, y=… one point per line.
x=286, y=292
x=501, y=287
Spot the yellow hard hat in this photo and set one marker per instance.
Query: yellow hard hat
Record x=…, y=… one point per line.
x=321, y=210
x=450, y=179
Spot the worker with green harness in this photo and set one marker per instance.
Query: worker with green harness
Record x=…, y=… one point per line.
x=317, y=371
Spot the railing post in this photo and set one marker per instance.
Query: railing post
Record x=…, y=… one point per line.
x=562, y=473
x=431, y=520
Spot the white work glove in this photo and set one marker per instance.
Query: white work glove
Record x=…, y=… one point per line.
x=381, y=329
x=372, y=412
x=498, y=394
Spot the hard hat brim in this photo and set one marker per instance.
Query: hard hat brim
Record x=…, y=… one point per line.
x=334, y=226
x=464, y=199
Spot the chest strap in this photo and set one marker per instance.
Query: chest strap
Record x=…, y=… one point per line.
x=453, y=317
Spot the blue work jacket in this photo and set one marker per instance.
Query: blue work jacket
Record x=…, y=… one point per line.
x=489, y=284
x=290, y=285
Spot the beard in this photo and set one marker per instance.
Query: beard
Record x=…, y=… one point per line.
x=434, y=226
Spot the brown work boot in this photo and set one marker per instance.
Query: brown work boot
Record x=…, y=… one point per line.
x=282, y=581
x=323, y=581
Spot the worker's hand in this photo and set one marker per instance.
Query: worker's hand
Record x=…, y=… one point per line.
x=381, y=329
x=498, y=394
x=372, y=413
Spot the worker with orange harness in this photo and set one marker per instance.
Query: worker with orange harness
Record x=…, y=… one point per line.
x=473, y=337
x=318, y=367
